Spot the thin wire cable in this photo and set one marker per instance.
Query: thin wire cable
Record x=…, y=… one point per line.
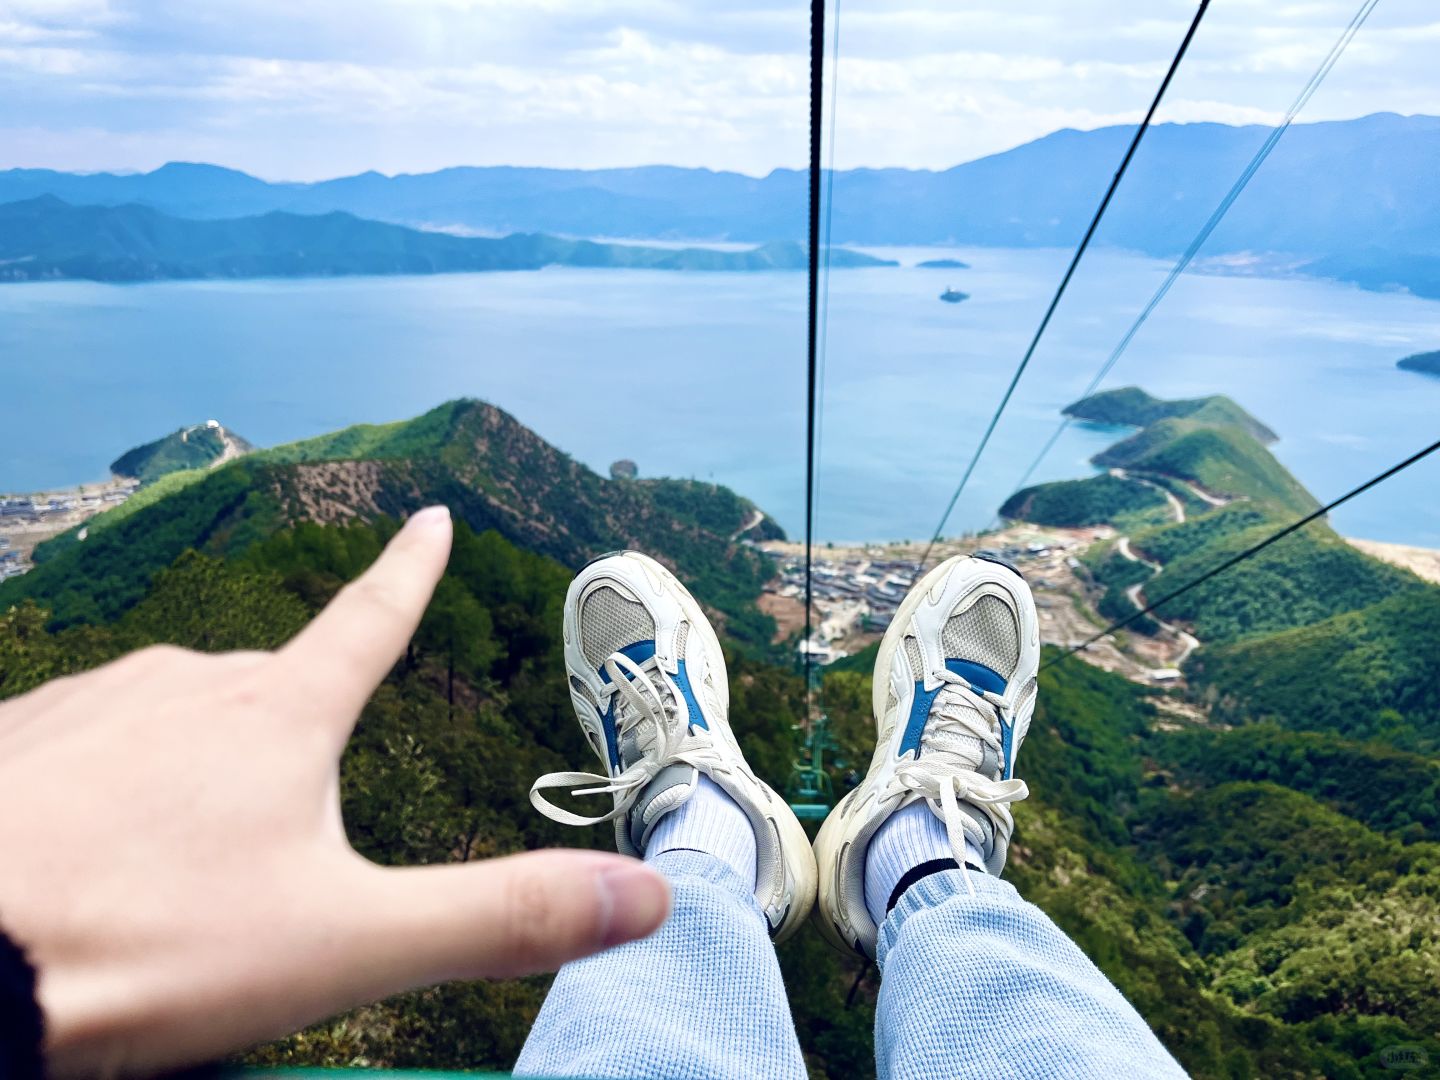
x=1203, y=235
x=1069, y=273
x=1247, y=553
x=829, y=208
x=817, y=77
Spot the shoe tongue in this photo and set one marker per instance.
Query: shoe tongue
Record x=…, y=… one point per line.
x=672, y=786
x=952, y=736
x=639, y=736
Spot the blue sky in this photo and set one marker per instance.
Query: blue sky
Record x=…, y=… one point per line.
x=302, y=89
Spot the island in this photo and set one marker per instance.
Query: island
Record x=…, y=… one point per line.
x=1427, y=363
x=46, y=238
x=942, y=264
x=1130, y=406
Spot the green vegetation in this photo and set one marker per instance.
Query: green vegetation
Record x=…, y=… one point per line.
x=1222, y=460
x=1170, y=542
x=1264, y=894
x=1116, y=574
x=1306, y=577
x=195, y=447
x=1093, y=501
x=1369, y=673
x=1427, y=363
x=491, y=471
x=45, y=238
x=1390, y=790
x=1133, y=407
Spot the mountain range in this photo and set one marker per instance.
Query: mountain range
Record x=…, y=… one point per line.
x=1351, y=200
x=45, y=238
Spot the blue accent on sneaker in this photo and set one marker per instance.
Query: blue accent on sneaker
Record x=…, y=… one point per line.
x=977, y=675
x=980, y=678
x=682, y=680
x=612, y=748
x=638, y=652
x=919, y=713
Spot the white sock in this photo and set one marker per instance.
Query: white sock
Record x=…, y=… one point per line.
x=712, y=822
x=912, y=836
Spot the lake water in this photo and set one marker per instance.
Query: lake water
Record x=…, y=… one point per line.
x=703, y=374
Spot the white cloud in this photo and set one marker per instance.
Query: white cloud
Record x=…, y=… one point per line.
x=325, y=87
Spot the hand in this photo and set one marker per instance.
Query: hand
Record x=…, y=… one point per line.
x=175, y=865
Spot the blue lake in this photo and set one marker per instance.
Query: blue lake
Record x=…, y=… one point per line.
x=703, y=374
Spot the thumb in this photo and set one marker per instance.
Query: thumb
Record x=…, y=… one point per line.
x=512, y=916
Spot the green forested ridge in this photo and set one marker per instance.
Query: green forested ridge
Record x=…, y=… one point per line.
x=1265, y=894
x=1223, y=460
x=1370, y=673
x=1390, y=790
x=1309, y=633
x=194, y=447
x=491, y=471
x=1132, y=406
x=1210, y=442
x=1310, y=575
x=1094, y=501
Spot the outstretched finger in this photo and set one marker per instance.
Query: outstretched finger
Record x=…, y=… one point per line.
x=350, y=646
x=511, y=916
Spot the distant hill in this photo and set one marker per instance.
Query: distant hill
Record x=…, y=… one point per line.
x=45, y=238
x=1427, y=363
x=1133, y=406
x=1308, y=603
x=195, y=447
x=1199, y=450
x=1221, y=459
x=493, y=472
x=1348, y=199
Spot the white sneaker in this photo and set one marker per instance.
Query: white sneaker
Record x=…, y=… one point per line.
x=647, y=677
x=953, y=696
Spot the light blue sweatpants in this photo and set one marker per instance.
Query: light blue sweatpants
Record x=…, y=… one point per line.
x=983, y=986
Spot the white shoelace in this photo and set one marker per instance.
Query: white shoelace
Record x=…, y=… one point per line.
x=961, y=723
x=649, y=704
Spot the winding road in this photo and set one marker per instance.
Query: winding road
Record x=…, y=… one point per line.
x=1176, y=506
x=1188, y=642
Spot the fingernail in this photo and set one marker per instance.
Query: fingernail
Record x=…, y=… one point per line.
x=430, y=518
x=634, y=901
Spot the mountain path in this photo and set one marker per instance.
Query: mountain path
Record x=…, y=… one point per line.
x=1176, y=506
x=756, y=516
x=1188, y=642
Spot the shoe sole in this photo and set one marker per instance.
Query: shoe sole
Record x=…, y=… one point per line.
x=792, y=833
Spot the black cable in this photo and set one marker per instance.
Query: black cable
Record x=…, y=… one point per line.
x=1069, y=273
x=829, y=207
x=1214, y=220
x=817, y=77
x=1246, y=553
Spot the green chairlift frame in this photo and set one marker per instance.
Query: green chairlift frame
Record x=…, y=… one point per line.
x=810, y=791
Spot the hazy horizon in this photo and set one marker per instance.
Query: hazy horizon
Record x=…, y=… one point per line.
x=304, y=92
x=138, y=171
